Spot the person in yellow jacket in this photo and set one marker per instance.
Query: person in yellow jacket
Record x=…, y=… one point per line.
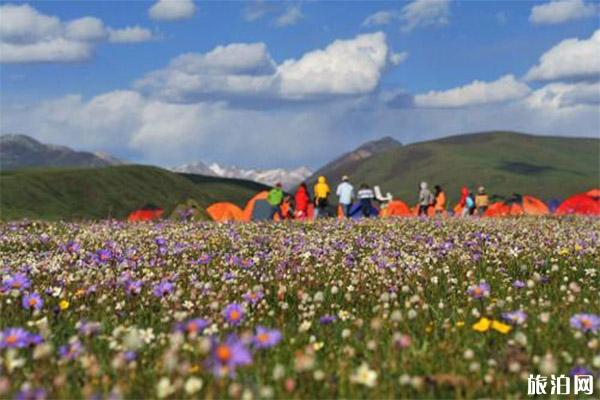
x=482, y=201
x=322, y=191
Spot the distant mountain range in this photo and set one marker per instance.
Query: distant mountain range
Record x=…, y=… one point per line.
x=504, y=162
x=21, y=151
x=288, y=178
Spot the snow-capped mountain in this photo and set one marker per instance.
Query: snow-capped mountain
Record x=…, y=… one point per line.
x=288, y=178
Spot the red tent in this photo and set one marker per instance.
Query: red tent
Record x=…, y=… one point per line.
x=583, y=203
x=145, y=214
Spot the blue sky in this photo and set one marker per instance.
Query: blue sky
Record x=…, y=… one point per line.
x=444, y=59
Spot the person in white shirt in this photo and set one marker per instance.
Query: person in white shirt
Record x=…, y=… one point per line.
x=345, y=193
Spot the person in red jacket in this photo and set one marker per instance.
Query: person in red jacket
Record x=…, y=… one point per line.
x=302, y=200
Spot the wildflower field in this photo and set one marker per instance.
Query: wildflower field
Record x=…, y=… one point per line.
x=369, y=309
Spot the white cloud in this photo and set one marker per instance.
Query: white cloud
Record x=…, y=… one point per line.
x=345, y=67
x=561, y=11
x=236, y=69
x=28, y=36
x=130, y=34
x=290, y=17
x=172, y=10
x=256, y=10
x=570, y=59
x=559, y=95
x=398, y=58
x=24, y=24
x=476, y=93
x=53, y=50
x=383, y=17
x=85, y=29
x=423, y=13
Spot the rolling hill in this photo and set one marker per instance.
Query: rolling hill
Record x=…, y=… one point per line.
x=95, y=193
x=22, y=151
x=504, y=162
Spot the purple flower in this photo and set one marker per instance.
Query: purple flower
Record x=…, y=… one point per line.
x=227, y=356
x=327, y=319
x=233, y=313
x=253, y=297
x=31, y=394
x=130, y=356
x=193, y=326
x=160, y=241
x=579, y=370
x=14, y=338
x=515, y=317
x=266, y=338
x=72, y=247
x=32, y=301
x=70, y=351
x=132, y=287
x=203, y=259
x=518, y=284
x=17, y=281
x=163, y=288
x=585, y=322
x=103, y=256
x=479, y=291
x=88, y=328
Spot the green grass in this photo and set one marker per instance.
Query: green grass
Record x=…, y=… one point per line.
x=504, y=162
x=94, y=193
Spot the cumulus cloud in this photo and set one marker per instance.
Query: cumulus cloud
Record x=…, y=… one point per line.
x=398, y=58
x=561, y=11
x=570, y=59
x=28, y=36
x=560, y=95
x=130, y=34
x=383, y=17
x=172, y=10
x=423, y=13
x=345, y=67
x=291, y=16
x=505, y=89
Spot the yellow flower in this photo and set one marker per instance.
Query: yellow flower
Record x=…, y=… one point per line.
x=317, y=346
x=501, y=327
x=563, y=252
x=483, y=325
x=64, y=304
x=460, y=324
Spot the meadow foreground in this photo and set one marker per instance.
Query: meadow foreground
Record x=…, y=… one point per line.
x=332, y=309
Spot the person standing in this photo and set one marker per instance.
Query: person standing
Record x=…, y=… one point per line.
x=425, y=199
x=365, y=196
x=440, y=200
x=321, y=196
x=302, y=199
x=482, y=201
x=275, y=198
x=345, y=193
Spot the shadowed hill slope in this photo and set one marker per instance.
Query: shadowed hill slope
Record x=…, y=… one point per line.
x=94, y=193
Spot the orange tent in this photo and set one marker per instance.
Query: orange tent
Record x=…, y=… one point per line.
x=248, y=210
x=584, y=203
x=225, y=212
x=524, y=205
x=498, y=209
x=396, y=208
x=145, y=214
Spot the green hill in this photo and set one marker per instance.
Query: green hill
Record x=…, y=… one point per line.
x=94, y=193
x=504, y=162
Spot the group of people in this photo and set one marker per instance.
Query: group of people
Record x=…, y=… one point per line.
x=298, y=206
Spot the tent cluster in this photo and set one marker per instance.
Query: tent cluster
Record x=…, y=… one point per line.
x=257, y=209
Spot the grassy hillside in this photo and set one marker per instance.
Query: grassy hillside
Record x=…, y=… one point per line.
x=81, y=193
x=504, y=162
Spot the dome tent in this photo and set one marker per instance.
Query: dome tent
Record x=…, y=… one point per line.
x=225, y=211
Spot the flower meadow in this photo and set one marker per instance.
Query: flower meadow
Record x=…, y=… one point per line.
x=387, y=308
